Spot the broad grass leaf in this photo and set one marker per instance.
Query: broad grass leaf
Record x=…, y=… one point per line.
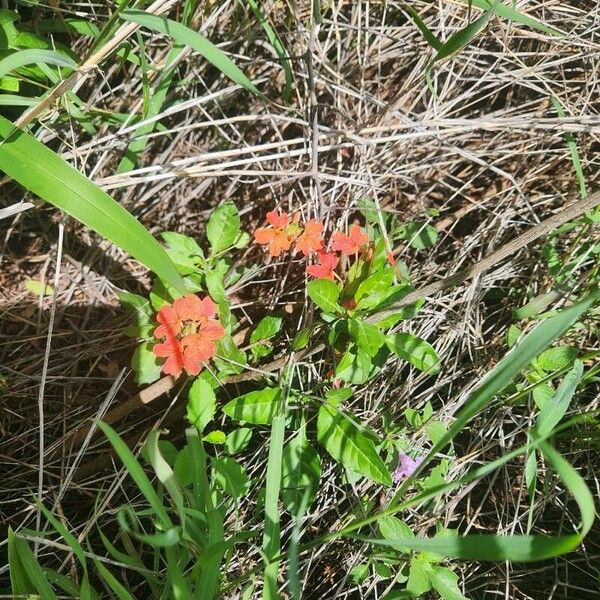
x=555, y=408
x=44, y=173
x=26, y=574
x=188, y=37
x=272, y=535
x=301, y=474
x=202, y=404
x=324, y=293
x=349, y=446
x=223, y=227
x=414, y=350
x=34, y=56
x=258, y=407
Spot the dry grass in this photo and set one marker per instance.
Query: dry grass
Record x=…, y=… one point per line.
x=488, y=153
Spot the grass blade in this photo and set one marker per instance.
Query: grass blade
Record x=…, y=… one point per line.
x=137, y=474
x=271, y=539
x=511, y=13
x=188, y=37
x=34, y=56
x=278, y=46
x=44, y=173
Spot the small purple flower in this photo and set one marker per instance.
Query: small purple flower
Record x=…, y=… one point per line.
x=406, y=467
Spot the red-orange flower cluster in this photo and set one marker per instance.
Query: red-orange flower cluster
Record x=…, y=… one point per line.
x=189, y=330
x=308, y=239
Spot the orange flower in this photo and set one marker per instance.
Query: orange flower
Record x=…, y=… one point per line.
x=310, y=239
x=328, y=261
x=172, y=351
x=200, y=346
x=170, y=322
x=351, y=243
x=190, y=330
x=275, y=236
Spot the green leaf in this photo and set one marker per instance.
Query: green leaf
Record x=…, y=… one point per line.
x=238, y=440
x=230, y=476
x=223, y=227
x=215, y=437
x=418, y=235
x=324, y=293
x=229, y=358
x=202, y=404
x=188, y=37
x=301, y=474
x=429, y=36
x=145, y=364
x=26, y=574
x=555, y=409
x=37, y=288
x=34, y=56
x=392, y=528
x=44, y=173
x=354, y=367
x=374, y=289
x=268, y=327
x=257, y=407
x=414, y=350
x=367, y=337
x=418, y=578
x=556, y=358
x=349, y=446
x=302, y=338
x=444, y=582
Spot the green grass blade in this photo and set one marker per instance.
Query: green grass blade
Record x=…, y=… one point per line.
x=511, y=13
x=137, y=474
x=19, y=582
x=118, y=589
x=33, y=570
x=188, y=37
x=521, y=548
x=278, y=46
x=457, y=41
x=34, y=56
x=555, y=408
x=429, y=36
x=271, y=539
x=44, y=173
x=504, y=372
